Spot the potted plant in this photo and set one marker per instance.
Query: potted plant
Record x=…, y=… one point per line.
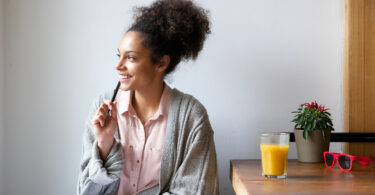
x=312, y=131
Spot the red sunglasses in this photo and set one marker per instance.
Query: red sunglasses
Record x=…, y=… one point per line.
x=345, y=161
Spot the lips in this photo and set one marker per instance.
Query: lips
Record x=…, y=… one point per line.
x=125, y=77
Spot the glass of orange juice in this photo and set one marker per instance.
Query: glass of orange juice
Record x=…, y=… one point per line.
x=274, y=149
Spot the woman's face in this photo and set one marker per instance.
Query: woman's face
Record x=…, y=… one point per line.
x=135, y=68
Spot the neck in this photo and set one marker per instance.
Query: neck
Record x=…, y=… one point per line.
x=146, y=101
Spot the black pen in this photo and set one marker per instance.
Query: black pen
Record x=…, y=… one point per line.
x=113, y=99
x=114, y=95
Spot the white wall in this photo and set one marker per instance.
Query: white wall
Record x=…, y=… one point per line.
x=263, y=59
x=1, y=95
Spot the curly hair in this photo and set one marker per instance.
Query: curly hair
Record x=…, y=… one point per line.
x=177, y=28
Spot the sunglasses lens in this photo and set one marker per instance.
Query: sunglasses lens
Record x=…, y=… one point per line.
x=329, y=159
x=344, y=162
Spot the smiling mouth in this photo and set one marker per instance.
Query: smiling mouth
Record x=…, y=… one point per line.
x=125, y=76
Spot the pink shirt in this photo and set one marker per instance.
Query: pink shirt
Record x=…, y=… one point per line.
x=142, y=144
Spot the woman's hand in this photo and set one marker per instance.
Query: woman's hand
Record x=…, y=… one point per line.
x=105, y=126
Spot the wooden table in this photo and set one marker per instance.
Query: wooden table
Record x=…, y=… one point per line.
x=303, y=178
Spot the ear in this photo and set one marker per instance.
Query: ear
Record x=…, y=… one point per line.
x=163, y=64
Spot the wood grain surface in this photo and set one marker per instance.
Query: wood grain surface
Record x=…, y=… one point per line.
x=303, y=178
x=359, y=73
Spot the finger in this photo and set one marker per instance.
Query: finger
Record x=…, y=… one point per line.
x=107, y=103
x=102, y=112
x=104, y=108
x=95, y=121
x=113, y=107
x=101, y=119
x=101, y=109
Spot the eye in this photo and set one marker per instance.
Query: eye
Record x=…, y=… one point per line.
x=131, y=58
x=118, y=55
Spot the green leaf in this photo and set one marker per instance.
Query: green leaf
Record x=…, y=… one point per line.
x=308, y=127
x=314, y=125
x=311, y=119
x=305, y=134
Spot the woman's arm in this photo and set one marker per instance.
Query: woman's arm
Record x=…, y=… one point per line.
x=98, y=176
x=198, y=172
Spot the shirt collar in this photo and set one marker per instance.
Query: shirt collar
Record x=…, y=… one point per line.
x=124, y=102
x=164, y=104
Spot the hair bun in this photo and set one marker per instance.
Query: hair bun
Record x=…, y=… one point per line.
x=177, y=28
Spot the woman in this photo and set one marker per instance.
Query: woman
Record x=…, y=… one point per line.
x=165, y=142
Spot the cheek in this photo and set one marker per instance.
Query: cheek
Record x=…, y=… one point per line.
x=145, y=70
x=132, y=67
x=146, y=75
x=149, y=70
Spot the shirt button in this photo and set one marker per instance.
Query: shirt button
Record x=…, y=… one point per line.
x=133, y=185
x=137, y=161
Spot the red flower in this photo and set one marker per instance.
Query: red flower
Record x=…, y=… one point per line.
x=315, y=105
x=322, y=109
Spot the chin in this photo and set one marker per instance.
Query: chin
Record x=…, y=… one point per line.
x=125, y=87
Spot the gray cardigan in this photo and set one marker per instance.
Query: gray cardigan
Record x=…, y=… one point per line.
x=188, y=163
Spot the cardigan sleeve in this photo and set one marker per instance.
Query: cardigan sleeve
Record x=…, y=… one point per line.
x=197, y=173
x=96, y=176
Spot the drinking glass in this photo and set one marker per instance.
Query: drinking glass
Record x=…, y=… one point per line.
x=274, y=149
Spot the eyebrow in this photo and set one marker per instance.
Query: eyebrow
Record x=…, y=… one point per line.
x=127, y=51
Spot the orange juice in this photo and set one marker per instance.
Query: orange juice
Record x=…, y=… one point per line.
x=274, y=158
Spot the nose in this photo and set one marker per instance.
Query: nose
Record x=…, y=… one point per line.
x=121, y=65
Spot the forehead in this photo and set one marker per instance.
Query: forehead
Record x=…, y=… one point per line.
x=131, y=41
